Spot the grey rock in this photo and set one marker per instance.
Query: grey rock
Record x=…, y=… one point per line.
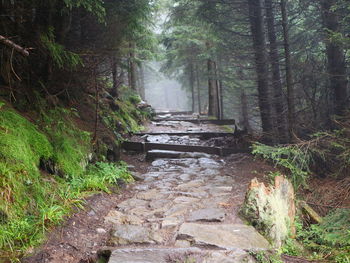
x=131, y=203
x=207, y=215
x=222, y=236
x=131, y=234
x=151, y=255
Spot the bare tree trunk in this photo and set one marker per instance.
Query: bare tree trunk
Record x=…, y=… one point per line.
x=132, y=68
x=335, y=58
x=191, y=83
x=289, y=73
x=259, y=45
x=142, y=84
x=278, y=101
x=198, y=90
x=212, y=90
x=114, y=66
x=245, y=114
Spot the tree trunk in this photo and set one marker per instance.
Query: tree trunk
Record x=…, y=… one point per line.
x=198, y=90
x=335, y=58
x=259, y=45
x=278, y=101
x=132, y=68
x=114, y=66
x=245, y=114
x=212, y=90
x=142, y=82
x=289, y=73
x=191, y=83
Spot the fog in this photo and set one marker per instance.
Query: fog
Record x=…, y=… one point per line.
x=163, y=93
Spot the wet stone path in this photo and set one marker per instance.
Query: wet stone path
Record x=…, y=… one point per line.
x=179, y=213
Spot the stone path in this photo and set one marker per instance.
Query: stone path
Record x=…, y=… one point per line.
x=179, y=214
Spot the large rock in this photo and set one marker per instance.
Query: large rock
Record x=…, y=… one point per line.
x=131, y=234
x=207, y=215
x=151, y=255
x=222, y=236
x=168, y=255
x=271, y=209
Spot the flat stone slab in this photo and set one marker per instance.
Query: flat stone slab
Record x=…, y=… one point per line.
x=151, y=255
x=131, y=234
x=207, y=215
x=169, y=255
x=222, y=236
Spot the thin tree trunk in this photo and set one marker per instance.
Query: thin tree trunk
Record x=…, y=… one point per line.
x=212, y=90
x=289, y=72
x=278, y=101
x=245, y=114
x=191, y=82
x=142, y=82
x=198, y=91
x=335, y=58
x=259, y=45
x=114, y=66
x=132, y=68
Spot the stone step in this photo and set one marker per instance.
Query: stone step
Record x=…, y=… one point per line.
x=164, y=154
x=174, y=255
x=222, y=236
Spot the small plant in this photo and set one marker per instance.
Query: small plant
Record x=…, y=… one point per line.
x=295, y=158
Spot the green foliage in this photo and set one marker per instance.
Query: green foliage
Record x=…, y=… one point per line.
x=31, y=202
x=295, y=158
x=71, y=146
x=95, y=7
x=265, y=257
x=330, y=238
x=61, y=57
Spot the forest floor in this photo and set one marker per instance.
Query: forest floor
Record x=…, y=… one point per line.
x=179, y=210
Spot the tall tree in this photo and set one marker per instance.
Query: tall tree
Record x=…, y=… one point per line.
x=336, y=66
x=278, y=99
x=261, y=62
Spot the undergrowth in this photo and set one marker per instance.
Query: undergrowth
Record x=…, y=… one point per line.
x=32, y=201
x=325, y=154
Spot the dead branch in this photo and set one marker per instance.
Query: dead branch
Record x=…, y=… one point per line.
x=13, y=45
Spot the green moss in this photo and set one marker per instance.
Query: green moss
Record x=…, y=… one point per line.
x=71, y=146
x=30, y=201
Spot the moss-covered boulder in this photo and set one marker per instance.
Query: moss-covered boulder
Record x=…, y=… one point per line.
x=271, y=209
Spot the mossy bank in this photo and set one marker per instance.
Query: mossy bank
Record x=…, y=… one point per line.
x=46, y=170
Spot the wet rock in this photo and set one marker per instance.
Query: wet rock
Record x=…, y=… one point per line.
x=182, y=243
x=131, y=203
x=195, y=155
x=153, y=194
x=222, y=236
x=159, y=163
x=236, y=256
x=189, y=186
x=177, y=210
x=207, y=215
x=118, y=218
x=101, y=231
x=170, y=222
x=152, y=255
x=271, y=209
x=137, y=176
x=158, y=138
x=209, y=163
x=185, y=199
x=185, y=177
x=159, y=154
x=131, y=234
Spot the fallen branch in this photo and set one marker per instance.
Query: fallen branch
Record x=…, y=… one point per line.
x=13, y=45
x=311, y=213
